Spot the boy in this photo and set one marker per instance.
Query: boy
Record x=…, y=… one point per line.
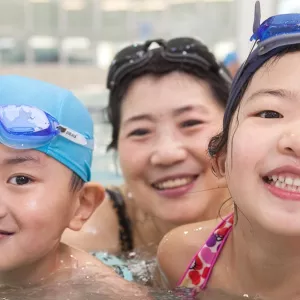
x=46, y=146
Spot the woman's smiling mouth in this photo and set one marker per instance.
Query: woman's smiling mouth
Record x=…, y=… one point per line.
x=174, y=183
x=175, y=186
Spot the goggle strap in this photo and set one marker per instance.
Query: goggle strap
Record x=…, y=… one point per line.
x=75, y=137
x=257, y=17
x=277, y=41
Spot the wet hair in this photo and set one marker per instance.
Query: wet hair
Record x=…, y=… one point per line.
x=218, y=143
x=158, y=66
x=76, y=183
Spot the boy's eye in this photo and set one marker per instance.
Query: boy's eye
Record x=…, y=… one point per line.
x=190, y=123
x=20, y=180
x=269, y=114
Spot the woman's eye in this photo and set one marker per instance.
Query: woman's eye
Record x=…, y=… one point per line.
x=20, y=180
x=190, y=123
x=269, y=114
x=139, y=132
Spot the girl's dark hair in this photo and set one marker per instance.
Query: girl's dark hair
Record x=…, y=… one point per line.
x=158, y=66
x=218, y=143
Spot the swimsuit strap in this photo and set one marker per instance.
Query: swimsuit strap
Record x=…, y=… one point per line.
x=201, y=266
x=125, y=228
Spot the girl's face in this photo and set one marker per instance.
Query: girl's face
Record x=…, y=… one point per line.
x=166, y=125
x=263, y=154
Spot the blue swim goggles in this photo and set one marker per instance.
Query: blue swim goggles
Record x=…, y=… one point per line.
x=28, y=127
x=276, y=31
x=271, y=37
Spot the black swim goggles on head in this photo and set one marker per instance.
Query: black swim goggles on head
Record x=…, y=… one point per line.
x=178, y=50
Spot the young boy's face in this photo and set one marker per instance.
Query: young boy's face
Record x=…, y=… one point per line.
x=36, y=205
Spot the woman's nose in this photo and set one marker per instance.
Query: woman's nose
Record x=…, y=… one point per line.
x=168, y=151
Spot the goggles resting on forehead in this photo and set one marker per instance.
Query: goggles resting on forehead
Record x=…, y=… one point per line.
x=270, y=37
x=178, y=50
x=276, y=31
x=28, y=127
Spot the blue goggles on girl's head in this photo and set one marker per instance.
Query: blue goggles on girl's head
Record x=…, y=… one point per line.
x=28, y=127
x=271, y=37
x=276, y=31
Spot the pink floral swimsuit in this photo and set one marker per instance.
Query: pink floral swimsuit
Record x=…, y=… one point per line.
x=201, y=266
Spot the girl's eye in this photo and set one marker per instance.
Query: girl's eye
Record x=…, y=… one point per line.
x=19, y=180
x=269, y=114
x=139, y=132
x=190, y=123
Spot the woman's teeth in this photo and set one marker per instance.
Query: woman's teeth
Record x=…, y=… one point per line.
x=285, y=182
x=173, y=183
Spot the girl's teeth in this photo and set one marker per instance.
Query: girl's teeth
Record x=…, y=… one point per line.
x=286, y=182
x=289, y=180
x=297, y=181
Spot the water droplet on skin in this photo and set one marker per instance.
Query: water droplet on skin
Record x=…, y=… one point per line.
x=198, y=229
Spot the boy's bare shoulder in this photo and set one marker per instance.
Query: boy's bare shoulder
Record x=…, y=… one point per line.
x=179, y=246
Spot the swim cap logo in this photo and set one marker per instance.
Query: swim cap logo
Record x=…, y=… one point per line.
x=71, y=134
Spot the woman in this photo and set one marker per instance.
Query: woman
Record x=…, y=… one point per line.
x=255, y=251
x=165, y=104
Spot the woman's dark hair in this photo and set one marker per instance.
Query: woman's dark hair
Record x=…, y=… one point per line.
x=158, y=66
x=218, y=143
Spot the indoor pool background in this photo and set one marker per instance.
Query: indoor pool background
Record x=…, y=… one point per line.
x=105, y=167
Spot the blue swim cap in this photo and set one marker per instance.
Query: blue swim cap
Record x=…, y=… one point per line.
x=62, y=105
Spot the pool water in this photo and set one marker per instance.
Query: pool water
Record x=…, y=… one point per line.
x=89, y=289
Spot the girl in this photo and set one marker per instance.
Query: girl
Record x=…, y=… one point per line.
x=256, y=250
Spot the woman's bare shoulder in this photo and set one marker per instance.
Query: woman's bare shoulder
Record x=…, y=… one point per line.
x=179, y=246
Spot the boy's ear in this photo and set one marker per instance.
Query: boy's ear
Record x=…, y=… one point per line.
x=90, y=197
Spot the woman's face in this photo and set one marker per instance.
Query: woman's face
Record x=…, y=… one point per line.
x=263, y=155
x=166, y=124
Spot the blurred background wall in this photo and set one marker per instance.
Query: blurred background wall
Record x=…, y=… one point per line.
x=64, y=40
x=71, y=42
